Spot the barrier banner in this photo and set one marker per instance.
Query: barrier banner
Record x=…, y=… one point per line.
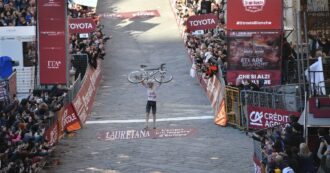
x=83, y=102
x=52, y=41
x=215, y=92
x=221, y=117
x=202, y=22
x=254, y=55
x=254, y=14
x=81, y=25
x=261, y=117
x=69, y=119
x=51, y=134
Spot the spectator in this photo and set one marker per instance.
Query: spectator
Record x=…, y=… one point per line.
x=293, y=137
x=305, y=159
x=324, y=157
x=17, y=13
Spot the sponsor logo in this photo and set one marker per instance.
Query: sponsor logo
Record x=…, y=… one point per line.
x=202, y=22
x=256, y=118
x=80, y=26
x=54, y=64
x=52, y=3
x=67, y=119
x=52, y=135
x=254, y=6
x=78, y=104
x=141, y=134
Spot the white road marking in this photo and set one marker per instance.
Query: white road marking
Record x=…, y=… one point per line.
x=143, y=120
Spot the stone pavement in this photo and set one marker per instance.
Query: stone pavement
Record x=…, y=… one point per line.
x=109, y=143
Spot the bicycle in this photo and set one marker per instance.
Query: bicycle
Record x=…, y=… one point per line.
x=159, y=74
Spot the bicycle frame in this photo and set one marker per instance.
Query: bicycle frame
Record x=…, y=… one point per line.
x=159, y=74
x=149, y=73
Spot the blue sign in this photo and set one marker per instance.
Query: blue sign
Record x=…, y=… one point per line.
x=6, y=67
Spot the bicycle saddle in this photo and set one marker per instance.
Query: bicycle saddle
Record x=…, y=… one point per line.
x=143, y=66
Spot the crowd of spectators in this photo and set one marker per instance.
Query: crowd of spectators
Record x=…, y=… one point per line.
x=284, y=149
x=23, y=123
x=92, y=44
x=23, y=147
x=17, y=12
x=208, y=48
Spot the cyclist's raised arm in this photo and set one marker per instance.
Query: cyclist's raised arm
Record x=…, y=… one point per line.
x=144, y=84
x=157, y=85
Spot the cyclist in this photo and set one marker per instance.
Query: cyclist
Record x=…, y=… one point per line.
x=151, y=102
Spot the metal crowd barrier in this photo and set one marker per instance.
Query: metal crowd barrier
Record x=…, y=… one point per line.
x=233, y=106
x=285, y=101
x=237, y=101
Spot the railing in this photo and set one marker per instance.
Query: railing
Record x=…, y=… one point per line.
x=289, y=102
x=74, y=89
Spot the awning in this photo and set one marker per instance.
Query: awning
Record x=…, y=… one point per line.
x=313, y=122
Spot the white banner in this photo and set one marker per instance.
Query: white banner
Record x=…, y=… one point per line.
x=316, y=76
x=89, y=3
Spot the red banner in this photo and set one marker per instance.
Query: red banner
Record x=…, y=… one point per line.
x=83, y=102
x=254, y=14
x=260, y=117
x=69, y=117
x=254, y=55
x=270, y=77
x=52, y=41
x=202, y=22
x=51, y=134
x=81, y=25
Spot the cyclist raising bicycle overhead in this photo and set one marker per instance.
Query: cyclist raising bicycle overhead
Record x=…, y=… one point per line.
x=151, y=102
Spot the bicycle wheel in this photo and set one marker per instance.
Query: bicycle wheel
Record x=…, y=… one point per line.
x=135, y=76
x=163, y=77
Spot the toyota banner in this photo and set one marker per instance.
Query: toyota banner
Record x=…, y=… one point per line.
x=254, y=14
x=202, y=22
x=52, y=41
x=81, y=25
x=261, y=117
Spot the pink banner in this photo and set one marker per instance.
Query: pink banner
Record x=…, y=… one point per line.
x=83, y=102
x=260, y=117
x=202, y=22
x=52, y=41
x=81, y=25
x=254, y=14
